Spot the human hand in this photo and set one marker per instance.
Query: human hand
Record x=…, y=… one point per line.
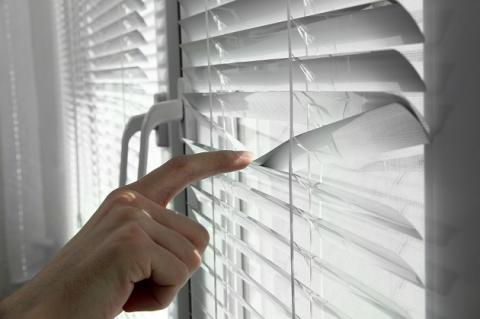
x=133, y=254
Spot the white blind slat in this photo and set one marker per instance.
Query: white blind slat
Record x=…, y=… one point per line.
x=325, y=107
x=350, y=283
x=361, y=30
x=248, y=14
x=119, y=10
x=129, y=40
x=93, y=10
x=377, y=71
x=132, y=21
x=194, y=7
x=127, y=57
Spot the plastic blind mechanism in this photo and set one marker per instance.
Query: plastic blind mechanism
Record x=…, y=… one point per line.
x=159, y=114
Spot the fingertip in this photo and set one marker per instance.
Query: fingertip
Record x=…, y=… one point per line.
x=244, y=158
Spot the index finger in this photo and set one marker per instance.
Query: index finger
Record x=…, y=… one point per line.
x=165, y=182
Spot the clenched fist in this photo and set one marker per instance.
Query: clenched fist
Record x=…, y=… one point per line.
x=133, y=254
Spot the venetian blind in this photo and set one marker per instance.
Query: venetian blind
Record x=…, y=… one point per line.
x=328, y=222
x=112, y=63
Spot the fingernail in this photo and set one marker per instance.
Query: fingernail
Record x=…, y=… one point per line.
x=244, y=155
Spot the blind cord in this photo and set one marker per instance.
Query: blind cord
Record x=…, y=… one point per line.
x=290, y=160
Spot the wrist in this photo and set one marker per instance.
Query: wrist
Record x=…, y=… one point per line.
x=20, y=306
x=3, y=310
x=6, y=309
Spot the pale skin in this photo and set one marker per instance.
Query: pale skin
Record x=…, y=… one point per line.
x=132, y=255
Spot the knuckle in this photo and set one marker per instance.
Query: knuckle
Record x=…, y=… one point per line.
x=126, y=242
x=123, y=196
x=196, y=260
x=164, y=299
x=187, y=252
x=132, y=234
x=162, y=304
x=190, y=255
x=129, y=248
x=183, y=273
x=125, y=215
x=202, y=236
